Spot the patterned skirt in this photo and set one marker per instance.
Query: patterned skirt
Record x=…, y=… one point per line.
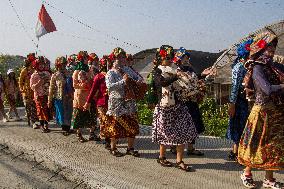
x=173, y=125
x=43, y=112
x=80, y=119
x=238, y=122
x=31, y=110
x=121, y=127
x=262, y=143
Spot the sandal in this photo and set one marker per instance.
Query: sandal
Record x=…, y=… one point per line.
x=116, y=153
x=92, y=136
x=66, y=133
x=247, y=180
x=81, y=138
x=164, y=162
x=131, y=151
x=45, y=129
x=185, y=168
x=194, y=152
x=272, y=184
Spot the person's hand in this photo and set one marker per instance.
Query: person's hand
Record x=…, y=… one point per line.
x=125, y=77
x=87, y=106
x=232, y=110
x=282, y=85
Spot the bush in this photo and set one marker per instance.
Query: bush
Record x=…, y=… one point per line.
x=215, y=118
x=145, y=114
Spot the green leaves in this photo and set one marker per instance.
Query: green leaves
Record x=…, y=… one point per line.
x=214, y=117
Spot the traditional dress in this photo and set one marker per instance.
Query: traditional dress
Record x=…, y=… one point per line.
x=124, y=122
x=98, y=93
x=39, y=83
x=28, y=94
x=238, y=97
x=61, y=98
x=82, y=85
x=172, y=123
x=192, y=105
x=262, y=142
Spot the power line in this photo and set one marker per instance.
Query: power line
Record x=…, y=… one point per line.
x=63, y=34
x=91, y=27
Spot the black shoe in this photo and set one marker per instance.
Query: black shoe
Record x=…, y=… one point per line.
x=233, y=156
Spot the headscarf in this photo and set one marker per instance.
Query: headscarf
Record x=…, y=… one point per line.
x=38, y=61
x=261, y=42
x=180, y=53
x=60, y=62
x=81, y=65
x=116, y=52
x=30, y=58
x=243, y=50
x=103, y=64
x=163, y=52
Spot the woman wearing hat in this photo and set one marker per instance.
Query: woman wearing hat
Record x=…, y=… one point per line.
x=59, y=96
x=181, y=59
x=262, y=143
x=172, y=123
x=12, y=91
x=82, y=85
x=39, y=83
x=125, y=123
x=27, y=92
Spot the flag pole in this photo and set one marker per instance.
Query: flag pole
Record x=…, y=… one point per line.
x=37, y=45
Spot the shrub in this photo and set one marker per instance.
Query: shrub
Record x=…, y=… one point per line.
x=215, y=118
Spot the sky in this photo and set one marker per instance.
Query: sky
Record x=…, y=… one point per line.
x=205, y=25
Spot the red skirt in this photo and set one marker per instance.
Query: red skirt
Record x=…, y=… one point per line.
x=43, y=112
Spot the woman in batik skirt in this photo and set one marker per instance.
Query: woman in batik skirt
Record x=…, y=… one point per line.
x=172, y=123
x=238, y=108
x=39, y=83
x=58, y=95
x=98, y=93
x=124, y=123
x=27, y=92
x=181, y=59
x=82, y=85
x=262, y=143
x=12, y=91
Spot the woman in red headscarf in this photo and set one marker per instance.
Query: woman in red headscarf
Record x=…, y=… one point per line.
x=39, y=83
x=99, y=94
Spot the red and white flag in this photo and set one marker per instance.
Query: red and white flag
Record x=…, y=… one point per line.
x=44, y=24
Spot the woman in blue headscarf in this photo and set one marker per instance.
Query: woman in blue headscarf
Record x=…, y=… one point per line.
x=238, y=108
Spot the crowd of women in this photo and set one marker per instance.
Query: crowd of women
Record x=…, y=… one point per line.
x=84, y=88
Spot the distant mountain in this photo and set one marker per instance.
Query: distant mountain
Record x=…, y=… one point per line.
x=200, y=60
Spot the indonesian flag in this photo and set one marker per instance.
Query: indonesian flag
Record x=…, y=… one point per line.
x=44, y=24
